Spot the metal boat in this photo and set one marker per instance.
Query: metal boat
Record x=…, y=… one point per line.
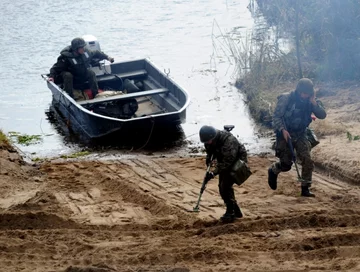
x=143, y=97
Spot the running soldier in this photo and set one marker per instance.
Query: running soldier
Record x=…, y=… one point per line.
x=291, y=118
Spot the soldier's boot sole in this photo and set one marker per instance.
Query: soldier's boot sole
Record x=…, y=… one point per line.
x=227, y=218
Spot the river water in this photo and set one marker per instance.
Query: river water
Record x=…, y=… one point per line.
x=183, y=36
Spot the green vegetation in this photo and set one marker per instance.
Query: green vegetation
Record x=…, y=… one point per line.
x=37, y=159
x=3, y=138
x=350, y=137
x=70, y=156
x=75, y=155
x=24, y=139
x=321, y=42
x=325, y=35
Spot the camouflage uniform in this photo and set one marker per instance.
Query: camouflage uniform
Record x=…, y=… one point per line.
x=226, y=149
x=72, y=68
x=294, y=115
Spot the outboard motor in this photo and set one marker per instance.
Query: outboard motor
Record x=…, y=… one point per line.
x=92, y=44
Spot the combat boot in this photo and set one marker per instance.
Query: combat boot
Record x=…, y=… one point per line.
x=305, y=191
x=272, y=179
x=229, y=215
x=237, y=211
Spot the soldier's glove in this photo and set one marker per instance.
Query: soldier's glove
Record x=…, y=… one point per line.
x=209, y=176
x=111, y=59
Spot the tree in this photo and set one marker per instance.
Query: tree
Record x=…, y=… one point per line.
x=326, y=32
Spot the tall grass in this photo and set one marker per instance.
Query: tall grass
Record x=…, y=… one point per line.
x=259, y=64
x=3, y=139
x=326, y=127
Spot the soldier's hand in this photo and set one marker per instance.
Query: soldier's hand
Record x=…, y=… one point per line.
x=51, y=79
x=313, y=100
x=111, y=59
x=286, y=135
x=209, y=176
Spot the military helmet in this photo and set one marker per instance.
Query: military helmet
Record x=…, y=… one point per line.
x=305, y=85
x=77, y=43
x=207, y=133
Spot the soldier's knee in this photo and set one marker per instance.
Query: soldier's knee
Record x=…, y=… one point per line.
x=91, y=73
x=67, y=75
x=285, y=167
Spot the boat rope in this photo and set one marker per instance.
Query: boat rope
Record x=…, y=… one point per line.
x=151, y=131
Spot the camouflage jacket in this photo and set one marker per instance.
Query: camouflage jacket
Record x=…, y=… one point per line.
x=226, y=149
x=294, y=115
x=77, y=65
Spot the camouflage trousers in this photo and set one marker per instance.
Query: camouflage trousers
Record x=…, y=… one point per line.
x=226, y=189
x=69, y=80
x=302, y=149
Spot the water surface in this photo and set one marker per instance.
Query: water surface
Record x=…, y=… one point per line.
x=185, y=37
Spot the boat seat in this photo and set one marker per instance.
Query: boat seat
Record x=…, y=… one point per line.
x=129, y=75
x=123, y=96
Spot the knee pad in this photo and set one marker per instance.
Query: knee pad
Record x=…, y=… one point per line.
x=285, y=167
x=91, y=73
x=67, y=76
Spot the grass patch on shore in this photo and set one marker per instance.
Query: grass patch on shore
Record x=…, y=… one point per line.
x=262, y=98
x=75, y=155
x=24, y=139
x=69, y=156
x=325, y=128
x=3, y=139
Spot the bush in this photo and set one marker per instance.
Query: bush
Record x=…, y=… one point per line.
x=3, y=139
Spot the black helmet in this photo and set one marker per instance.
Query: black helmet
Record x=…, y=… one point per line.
x=305, y=85
x=77, y=43
x=207, y=133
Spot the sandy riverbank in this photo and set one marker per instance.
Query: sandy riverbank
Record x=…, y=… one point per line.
x=133, y=215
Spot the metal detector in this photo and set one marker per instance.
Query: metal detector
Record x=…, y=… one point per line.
x=203, y=186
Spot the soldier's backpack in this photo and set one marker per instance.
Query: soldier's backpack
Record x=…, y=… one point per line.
x=240, y=171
